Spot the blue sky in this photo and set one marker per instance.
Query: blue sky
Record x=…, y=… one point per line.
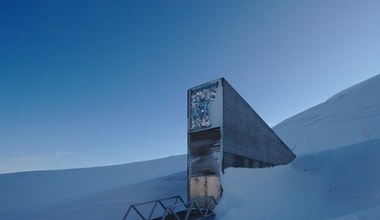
x=90, y=83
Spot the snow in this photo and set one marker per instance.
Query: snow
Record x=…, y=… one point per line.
x=91, y=193
x=335, y=175
x=323, y=185
x=349, y=117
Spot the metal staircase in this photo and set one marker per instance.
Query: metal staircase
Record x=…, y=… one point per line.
x=172, y=208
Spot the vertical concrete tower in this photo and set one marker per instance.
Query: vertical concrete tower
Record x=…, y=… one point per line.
x=224, y=131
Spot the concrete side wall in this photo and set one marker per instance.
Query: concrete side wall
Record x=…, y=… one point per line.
x=246, y=135
x=233, y=160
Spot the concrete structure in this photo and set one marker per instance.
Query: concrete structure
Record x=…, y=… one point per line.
x=224, y=131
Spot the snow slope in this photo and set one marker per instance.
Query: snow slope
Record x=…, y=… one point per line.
x=322, y=185
x=85, y=193
x=113, y=203
x=349, y=117
x=335, y=175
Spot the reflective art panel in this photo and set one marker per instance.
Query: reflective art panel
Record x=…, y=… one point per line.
x=199, y=104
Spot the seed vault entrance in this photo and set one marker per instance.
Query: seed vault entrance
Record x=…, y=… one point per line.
x=204, y=172
x=224, y=131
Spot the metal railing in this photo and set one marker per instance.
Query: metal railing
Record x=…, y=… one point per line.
x=191, y=207
x=177, y=206
x=157, y=203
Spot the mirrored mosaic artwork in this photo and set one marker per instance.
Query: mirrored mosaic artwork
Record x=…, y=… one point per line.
x=200, y=102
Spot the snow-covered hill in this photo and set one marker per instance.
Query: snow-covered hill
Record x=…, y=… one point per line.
x=92, y=193
x=335, y=175
x=349, y=117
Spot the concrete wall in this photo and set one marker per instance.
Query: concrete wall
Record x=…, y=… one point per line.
x=247, y=136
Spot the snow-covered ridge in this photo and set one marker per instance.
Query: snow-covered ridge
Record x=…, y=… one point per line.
x=351, y=116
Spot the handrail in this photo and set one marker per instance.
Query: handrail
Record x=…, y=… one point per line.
x=189, y=207
x=156, y=203
x=192, y=205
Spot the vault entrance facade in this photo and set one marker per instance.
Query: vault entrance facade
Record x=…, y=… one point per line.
x=224, y=131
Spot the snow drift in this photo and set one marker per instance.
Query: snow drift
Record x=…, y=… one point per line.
x=323, y=185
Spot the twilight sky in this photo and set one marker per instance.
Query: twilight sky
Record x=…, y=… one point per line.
x=91, y=83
